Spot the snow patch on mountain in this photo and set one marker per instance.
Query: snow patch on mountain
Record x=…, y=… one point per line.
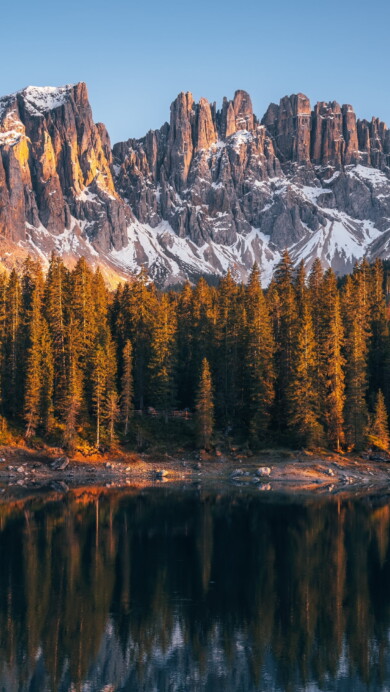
x=43, y=99
x=371, y=175
x=169, y=258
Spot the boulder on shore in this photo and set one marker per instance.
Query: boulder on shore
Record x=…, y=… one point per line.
x=60, y=463
x=263, y=471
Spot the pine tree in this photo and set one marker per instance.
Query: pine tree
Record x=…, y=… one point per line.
x=283, y=303
x=111, y=413
x=34, y=375
x=301, y=287
x=127, y=386
x=163, y=357
x=56, y=303
x=184, y=319
x=204, y=317
x=378, y=432
x=204, y=418
x=38, y=396
x=13, y=342
x=378, y=359
x=259, y=359
x=3, y=303
x=356, y=350
x=303, y=418
x=139, y=304
x=47, y=374
x=99, y=379
x=229, y=355
x=74, y=392
x=317, y=285
x=333, y=364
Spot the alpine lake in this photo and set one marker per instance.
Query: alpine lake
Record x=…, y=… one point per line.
x=179, y=588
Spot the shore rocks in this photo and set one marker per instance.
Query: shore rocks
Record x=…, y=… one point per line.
x=263, y=471
x=160, y=474
x=60, y=463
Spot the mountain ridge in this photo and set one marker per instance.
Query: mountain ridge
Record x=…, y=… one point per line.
x=209, y=190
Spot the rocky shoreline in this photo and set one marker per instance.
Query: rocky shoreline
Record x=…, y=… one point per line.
x=23, y=470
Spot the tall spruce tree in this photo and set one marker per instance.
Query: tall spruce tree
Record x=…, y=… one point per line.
x=303, y=414
x=163, y=357
x=127, y=393
x=378, y=432
x=137, y=314
x=33, y=371
x=99, y=389
x=74, y=390
x=379, y=352
x=259, y=359
x=356, y=347
x=333, y=364
x=111, y=413
x=56, y=304
x=283, y=303
x=47, y=373
x=204, y=407
x=229, y=351
x=185, y=343
x=13, y=342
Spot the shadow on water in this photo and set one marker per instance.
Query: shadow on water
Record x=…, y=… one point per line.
x=175, y=590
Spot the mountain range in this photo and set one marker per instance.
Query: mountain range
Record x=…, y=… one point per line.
x=211, y=189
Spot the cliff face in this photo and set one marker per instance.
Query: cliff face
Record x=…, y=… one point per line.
x=55, y=169
x=211, y=189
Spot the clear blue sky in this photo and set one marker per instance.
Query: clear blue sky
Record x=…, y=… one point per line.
x=137, y=56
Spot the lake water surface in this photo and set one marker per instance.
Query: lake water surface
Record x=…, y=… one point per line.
x=166, y=589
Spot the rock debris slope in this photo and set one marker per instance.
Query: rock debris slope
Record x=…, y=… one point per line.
x=210, y=190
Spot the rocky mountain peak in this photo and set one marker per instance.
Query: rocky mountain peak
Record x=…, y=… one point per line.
x=55, y=168
x=209, y=190
x=289, y=123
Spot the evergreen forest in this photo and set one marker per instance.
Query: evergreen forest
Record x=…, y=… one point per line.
x=304, y=363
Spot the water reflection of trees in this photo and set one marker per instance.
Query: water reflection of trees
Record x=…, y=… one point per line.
x=146, y=589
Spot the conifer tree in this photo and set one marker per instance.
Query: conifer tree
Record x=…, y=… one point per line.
x=300, y=287
x=285, y=314
x=56, y=303
x=317, y=285
x=259, y=359
x=138, y=309
x=302, y=397
x=83, y=311
x=203, y=325
x=111, y=413
x=185, y=344
x=379, y=352
x=38, y=403
x=229, y=350
x=204, y=413
x=356, y=349
x=13, y=342
x=47, y=374
x=34, y=372
x=355, y=409
x=3, y=302
x=378, y=432
x=74, y=393
x=127, y=386
x=163, y=357
x=99, y=379
x=333, y=364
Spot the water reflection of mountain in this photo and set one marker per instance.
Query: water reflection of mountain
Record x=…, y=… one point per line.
x=168, y=590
